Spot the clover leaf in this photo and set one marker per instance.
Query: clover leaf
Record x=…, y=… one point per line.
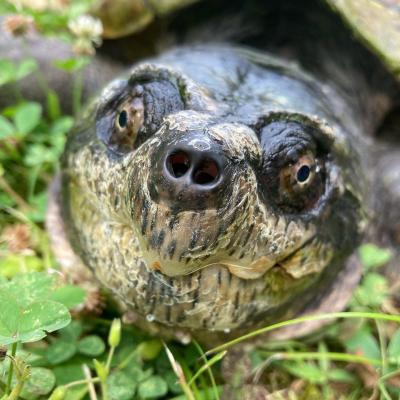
x=27, y=312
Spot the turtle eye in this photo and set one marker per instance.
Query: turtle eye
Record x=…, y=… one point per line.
x=123, y=119
x=133, y=117
x=303, y=173
x=300, y=183
x=300, y=174
x=130, y=119
x=293, y=171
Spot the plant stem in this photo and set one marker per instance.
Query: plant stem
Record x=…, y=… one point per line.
x=89, y=380
x=189, y=394
x=180, y=374
x=109, y=358
x=389, y=375
x=16, y=391
x=82, y=382
x=383, y=346
x=11, y=369
x=207, y=366
x=383, y=391
x=104, y=390
x=77, y=92
x=209, y=370
x=333, y=356
x=103, y=383
x=13, y=194
x=126, y=360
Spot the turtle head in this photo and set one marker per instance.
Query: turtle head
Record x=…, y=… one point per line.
x=237, y=172
x=231, y=164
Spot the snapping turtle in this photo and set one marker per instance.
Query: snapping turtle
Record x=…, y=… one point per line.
x=215, y=188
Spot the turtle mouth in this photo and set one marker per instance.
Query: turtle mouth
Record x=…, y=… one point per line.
x=258, y=268
x=292, y=263
x=216, y=297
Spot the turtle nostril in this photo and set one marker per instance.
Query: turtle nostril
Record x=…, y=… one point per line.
x=207, y=172
x=178, y=164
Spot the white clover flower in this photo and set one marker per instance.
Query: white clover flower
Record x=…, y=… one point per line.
x=87, y=27
x=88, y=31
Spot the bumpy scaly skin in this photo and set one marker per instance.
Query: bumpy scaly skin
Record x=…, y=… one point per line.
x=230, y=264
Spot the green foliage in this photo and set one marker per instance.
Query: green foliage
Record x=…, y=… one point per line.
x=60, y=351
x=149, y=350
x=372, y=292
x=315, y=374
x=70, y=344
x=27, y=116
x=92, y=346
x=6, y=128
x=121, y=386
x=69, y=295
x=153, y=387
x=13, y=72
x=14, y=264
x=394, y=347
x=40, y=383
x=114, y=337
x=51, y=22
x=374, y=288
x=28, y=311
x=364, y=342
x=59, y=393
x=72, y=64
x=373, y=257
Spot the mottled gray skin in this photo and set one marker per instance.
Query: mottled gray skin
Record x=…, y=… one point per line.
x=226, y=265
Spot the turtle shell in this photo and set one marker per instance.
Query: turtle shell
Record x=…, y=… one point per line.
x=124, y=17
x=377, y=24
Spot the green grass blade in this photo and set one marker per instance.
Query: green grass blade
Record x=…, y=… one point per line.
x=210, y=372
x=208, y=365
x=332, y=356
x=295, y=321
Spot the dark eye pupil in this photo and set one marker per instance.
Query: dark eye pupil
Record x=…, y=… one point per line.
x=303, y=173
x=123, y=119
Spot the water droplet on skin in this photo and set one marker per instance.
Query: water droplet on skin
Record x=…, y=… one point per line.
x=150, y=317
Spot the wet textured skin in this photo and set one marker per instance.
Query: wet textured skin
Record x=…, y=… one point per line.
x=245, y=253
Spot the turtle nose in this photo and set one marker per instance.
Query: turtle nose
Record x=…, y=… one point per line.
x=194, y=173
x=195, y=168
